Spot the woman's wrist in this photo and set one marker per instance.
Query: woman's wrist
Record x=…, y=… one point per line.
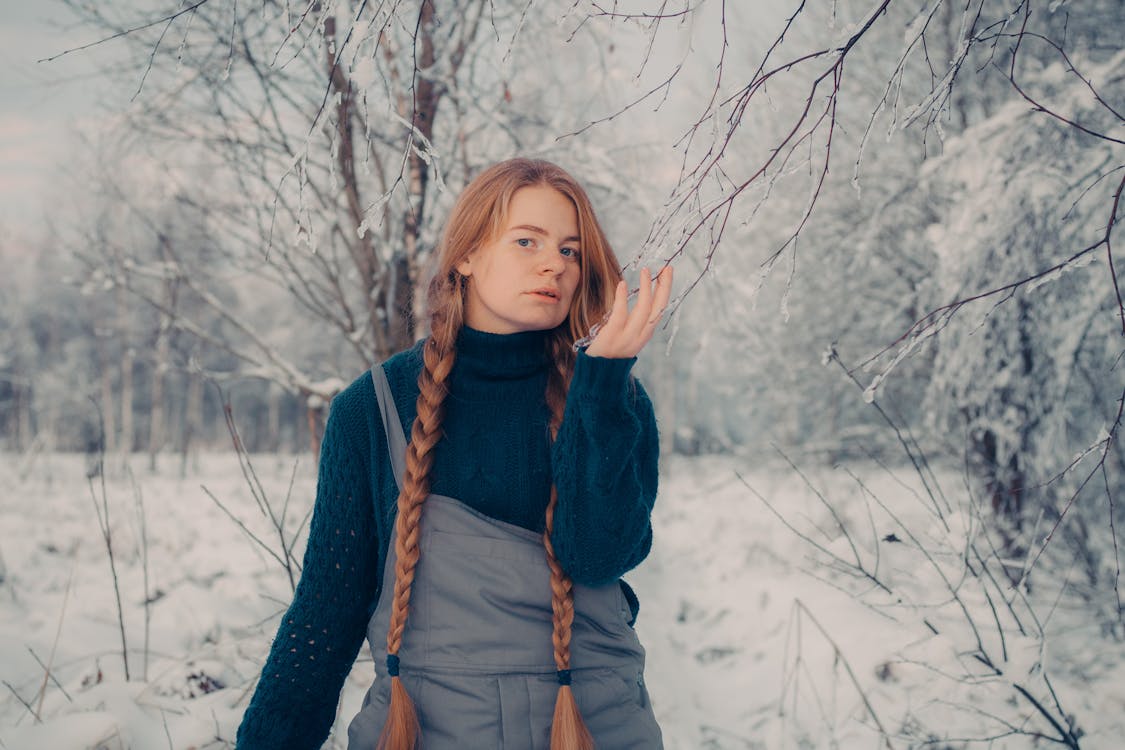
x=600, y=377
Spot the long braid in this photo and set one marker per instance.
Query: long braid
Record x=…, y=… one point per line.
x=477, y=215
x=568, y=731
x=401, y=731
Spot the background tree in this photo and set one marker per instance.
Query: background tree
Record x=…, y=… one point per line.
x=922, y=197
x=325, y=139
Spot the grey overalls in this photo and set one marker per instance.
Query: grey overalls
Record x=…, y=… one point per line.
x=476, y=655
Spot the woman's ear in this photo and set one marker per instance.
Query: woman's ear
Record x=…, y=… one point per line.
x=465, y=267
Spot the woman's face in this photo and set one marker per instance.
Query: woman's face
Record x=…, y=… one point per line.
x=524, y=278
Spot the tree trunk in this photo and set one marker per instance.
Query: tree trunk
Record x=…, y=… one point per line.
x=273, y=426
x=193, y=411
x=316, y=412
x=156, y=415
x=128, y=356
x=23, y=415
x=108, y=411
x=417, y=103
x=362, y=249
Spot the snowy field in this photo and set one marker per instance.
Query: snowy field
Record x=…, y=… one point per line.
x=754, y=639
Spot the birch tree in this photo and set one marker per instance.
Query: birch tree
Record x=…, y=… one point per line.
x=316, y=143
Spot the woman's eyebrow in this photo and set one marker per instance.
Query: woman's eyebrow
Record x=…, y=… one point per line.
x=540, y=231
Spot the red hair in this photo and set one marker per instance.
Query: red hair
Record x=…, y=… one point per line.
x=479, y=215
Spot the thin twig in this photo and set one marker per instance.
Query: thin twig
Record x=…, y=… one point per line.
x=139, y=498
x=102, y=512
x=241, y=525
x=1065, y=736
x=851, y=673
x=126, y=32
x=258, y=491
x=26, y=705
x=50, y=674
x=54, y=645
x=805, y=537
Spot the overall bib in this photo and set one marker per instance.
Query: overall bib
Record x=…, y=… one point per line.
x=476, y=654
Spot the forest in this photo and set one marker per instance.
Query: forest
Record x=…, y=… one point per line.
x=890, y=376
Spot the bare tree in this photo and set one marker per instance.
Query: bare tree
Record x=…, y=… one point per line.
x=985, y=269
x=1033, y=82
x=320, y=141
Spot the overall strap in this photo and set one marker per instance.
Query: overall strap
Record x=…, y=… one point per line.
x=396, y=439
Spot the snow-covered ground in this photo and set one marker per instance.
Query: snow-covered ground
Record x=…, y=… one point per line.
x=754, y=640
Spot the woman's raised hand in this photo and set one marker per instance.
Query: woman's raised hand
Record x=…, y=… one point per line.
x=626, y=332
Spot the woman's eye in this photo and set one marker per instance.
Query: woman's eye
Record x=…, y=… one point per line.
x=525, y=242
x=569, y=252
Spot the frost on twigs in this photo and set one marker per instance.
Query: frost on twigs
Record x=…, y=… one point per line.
x=972, y=649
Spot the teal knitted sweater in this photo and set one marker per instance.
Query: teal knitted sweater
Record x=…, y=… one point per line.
x=496, y=456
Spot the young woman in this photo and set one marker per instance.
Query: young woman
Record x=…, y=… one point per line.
x=482, y=558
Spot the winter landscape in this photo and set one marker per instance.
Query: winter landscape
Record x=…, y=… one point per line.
x=889, y=385
x=754, y=640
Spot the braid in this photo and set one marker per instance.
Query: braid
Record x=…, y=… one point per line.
x=478, y=216
x=568, y=731
x=402, y=730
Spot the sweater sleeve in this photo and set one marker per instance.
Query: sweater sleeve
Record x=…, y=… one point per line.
x=604, y=464
x=294, y=704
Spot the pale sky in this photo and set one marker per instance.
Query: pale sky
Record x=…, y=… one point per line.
x=40, y=105
x=44, y=104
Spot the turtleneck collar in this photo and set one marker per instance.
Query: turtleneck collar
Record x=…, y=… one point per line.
x=483, y=356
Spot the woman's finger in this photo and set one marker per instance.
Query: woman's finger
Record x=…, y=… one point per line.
x=639, y=316
x=663, y=294
x=606, y=338
x=620, y=310
x=626, y=331
x=619, y=316
x=659, y=303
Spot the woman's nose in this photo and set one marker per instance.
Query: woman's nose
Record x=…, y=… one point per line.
x=552, y=260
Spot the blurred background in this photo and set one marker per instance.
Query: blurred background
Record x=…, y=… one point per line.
x=892, y=224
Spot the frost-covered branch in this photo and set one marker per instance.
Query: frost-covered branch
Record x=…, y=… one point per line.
x=128, y=28
x=1002, y=661
x=712, y=216
x=1039, y=106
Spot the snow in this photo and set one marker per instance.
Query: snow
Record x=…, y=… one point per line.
x=753, y=640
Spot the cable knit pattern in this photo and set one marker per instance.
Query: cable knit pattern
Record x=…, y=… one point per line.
x=496, y=456
x=605, y=468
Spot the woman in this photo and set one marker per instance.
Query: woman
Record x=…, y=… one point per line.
x=483, y=559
